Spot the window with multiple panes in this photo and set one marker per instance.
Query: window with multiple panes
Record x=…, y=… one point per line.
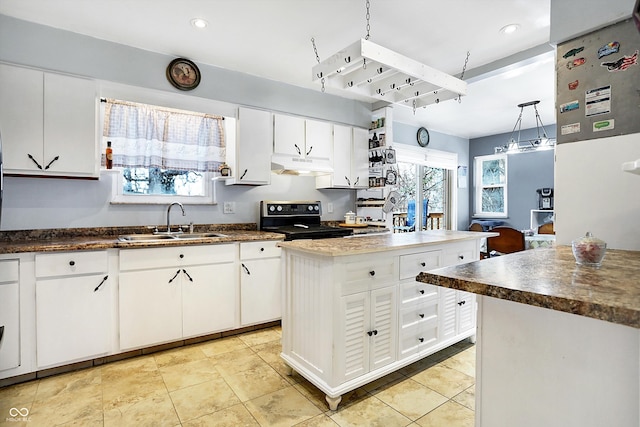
x=491, y=186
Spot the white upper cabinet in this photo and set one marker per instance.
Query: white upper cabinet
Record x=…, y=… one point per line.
x=350, y=159
x=303, y=138
x=48, y=123
x=250, y=155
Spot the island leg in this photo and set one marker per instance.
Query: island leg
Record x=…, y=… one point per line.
x=333, y=402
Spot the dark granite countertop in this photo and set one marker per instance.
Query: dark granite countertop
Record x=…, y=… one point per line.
x=74, y=239
x=550, y=278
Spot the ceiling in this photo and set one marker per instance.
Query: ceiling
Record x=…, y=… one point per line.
x=272, y=39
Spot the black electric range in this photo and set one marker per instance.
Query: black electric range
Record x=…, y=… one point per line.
x=297, y=220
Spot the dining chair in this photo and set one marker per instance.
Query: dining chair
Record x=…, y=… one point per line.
x=510, y=240
x=546, y=229
x=478, y=227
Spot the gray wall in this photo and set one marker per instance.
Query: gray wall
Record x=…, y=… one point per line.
x=58, y=203
x=526, y=173
x=406, y=134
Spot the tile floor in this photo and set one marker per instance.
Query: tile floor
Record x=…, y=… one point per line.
x=241, y=381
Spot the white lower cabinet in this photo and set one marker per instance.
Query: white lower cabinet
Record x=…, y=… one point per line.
x=260, y=285
x=167, y=294
x=349, y=320
x=9, y=314
x=73, y=307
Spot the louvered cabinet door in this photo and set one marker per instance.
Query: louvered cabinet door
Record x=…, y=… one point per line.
x=355, y=316
x=383, y=326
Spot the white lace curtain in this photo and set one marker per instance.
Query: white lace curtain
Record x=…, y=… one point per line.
x=146, y=136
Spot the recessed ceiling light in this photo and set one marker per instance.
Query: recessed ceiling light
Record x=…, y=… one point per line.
x=509, y=29
x=199, y=23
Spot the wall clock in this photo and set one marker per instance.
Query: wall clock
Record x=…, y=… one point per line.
x=183, y=74
x=423, y=137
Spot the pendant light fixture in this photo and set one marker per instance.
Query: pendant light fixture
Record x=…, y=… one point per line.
x=374, y=71
x=542, y=142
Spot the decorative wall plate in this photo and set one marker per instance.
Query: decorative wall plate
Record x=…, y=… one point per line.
x=183, y=74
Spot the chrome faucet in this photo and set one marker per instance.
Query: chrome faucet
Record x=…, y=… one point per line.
x=169, y=211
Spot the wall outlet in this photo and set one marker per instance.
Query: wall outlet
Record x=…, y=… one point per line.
x=229, y=207
x=329, y=207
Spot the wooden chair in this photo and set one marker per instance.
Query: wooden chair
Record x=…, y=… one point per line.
x=476, y=227
x=510, y=240
x=546, y=229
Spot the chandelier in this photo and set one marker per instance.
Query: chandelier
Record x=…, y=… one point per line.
x=541, y=142
x=373, y=71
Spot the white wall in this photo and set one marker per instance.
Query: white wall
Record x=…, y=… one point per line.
x=594, y=194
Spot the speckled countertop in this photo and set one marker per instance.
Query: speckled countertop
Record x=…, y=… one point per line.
x=550, y=278
x=72, y=239
x=380, y=242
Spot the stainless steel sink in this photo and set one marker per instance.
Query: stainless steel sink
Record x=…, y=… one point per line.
x=144, y=237
x=171, y=236
x=197, y=235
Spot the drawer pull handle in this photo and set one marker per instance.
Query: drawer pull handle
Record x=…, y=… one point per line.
x=101, y=283
x=261, y=249
x=374, y=332
x=181, y=255
x=246, y=269
x=174, y=276
x=461, y=302
x=461, y=256
x=421, y=291
x=421, y=339
x=185, y=272
x=421, y=315
x=372, y=273
x=72, y=263
x=424, y=264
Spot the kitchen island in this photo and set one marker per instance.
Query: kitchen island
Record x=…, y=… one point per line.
x=353, y=311
x=558, y=343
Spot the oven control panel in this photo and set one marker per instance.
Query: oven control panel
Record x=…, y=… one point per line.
x=271, y=209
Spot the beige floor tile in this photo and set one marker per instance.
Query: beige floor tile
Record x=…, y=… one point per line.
x=445, y=380
x=124, y=368
x=124, y=391
x=178, y=356
x=255, y=382
x=17, y=396
x=154, y=411
x=467, y=398
x=322, y=420
x=237, y=361
x=78, y=407
x=221, y=346
x=410, y=398
x=370, y=412
x=393, y=377
x=202, y=399
x=451, y=414
x=188, y=373
x=282, y=408
x=260, y=337
x=234, y=416
x=464, y=362
x=73, y=382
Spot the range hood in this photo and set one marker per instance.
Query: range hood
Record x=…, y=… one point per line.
x=287, y=164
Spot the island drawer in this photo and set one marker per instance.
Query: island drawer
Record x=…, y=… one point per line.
x=372, y=273
x=417, y=337
x=71, y=263
x=423, y=314
x=460, y=253
x=256, y=250
x=411, y=265
x=417, y=292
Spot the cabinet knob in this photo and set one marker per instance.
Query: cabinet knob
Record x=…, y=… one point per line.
x=421, y=339
x=181, y=255
x=261, y=249
x=461, y=303
x=461, y=256
x=421, y=315
x=421, y=291
x=72, y=263
x=372, y=273
x=423, y=264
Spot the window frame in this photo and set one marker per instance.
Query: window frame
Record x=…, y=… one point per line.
x=478, y=187
x=169, y=100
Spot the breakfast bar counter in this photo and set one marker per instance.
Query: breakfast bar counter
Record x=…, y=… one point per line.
x=558, y=344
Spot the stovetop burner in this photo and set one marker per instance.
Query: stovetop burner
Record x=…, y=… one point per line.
x=297, y=220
